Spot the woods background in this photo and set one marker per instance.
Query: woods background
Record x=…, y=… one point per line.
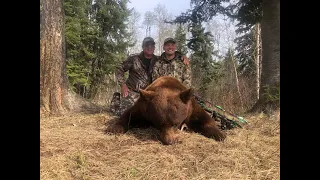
x=83, y=41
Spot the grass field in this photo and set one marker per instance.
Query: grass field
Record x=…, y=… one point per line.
x=76, y=147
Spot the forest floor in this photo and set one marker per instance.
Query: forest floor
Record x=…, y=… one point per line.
x=76, y=147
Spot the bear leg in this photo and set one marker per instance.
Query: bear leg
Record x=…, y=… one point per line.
x=202, y=123
x=131, y=118
x=121, y=125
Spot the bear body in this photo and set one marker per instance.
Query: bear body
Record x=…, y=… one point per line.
x=167, y=104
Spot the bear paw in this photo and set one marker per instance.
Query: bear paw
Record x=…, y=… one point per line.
x=220, y=136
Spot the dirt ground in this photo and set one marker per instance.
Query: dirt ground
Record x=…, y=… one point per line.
x=76, y=147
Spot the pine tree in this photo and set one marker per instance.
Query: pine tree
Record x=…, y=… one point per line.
x=203, y=67
x=181, y=38
x=97, y=39
x=77, y=51
x=246, y=48
x=110, y=46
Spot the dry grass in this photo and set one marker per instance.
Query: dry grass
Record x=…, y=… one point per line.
x=75, y=147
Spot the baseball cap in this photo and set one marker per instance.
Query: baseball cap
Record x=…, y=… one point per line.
x=169, y=40
x=147, y=40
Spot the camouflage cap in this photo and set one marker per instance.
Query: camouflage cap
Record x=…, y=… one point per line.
x=147, y=40
x=169, y=40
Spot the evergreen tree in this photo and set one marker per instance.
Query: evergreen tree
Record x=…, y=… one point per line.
x=246, y=53
x=112, y=41
x=97, y=39
x=249, y=14
x=204, y=69
x=77, y=52
x=181, y=38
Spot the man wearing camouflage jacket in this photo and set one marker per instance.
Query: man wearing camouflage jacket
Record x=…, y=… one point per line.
x=170, y=63
x=140, y=68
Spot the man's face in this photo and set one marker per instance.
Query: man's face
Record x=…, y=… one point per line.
x=170, y=48
x=148, y=48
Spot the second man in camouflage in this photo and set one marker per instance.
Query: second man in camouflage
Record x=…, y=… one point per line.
x=171, y=63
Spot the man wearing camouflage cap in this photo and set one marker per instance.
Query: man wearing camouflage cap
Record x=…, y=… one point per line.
x=140, y=68
x=171, y=63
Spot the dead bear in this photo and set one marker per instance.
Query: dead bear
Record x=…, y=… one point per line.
x=166, y=104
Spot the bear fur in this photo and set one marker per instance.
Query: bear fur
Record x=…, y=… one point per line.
x=167, y=104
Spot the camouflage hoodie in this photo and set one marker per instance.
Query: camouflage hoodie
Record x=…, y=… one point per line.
x=174, y=67
x=139, y=75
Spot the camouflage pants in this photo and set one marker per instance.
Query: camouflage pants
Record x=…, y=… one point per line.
x=119, y=104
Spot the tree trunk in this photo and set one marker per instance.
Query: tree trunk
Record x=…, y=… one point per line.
x=53, y=78
x=270, y=75
x=258, y=58
x=55, y=96
x=160, y=50
x=237, y=80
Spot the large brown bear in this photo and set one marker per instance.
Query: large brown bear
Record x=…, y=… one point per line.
x=166, y=104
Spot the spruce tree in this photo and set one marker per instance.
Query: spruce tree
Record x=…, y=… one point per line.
x=181, y=38
x=203, y=67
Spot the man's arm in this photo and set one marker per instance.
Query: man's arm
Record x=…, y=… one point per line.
x=155, y=72
x=124, y=67
x=185, y=60
x=186, y=76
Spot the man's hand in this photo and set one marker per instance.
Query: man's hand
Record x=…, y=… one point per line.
x=185, y=60
x=124, y=90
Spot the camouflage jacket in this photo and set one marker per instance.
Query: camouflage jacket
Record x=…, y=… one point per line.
x=139, y=76
x=175, y=68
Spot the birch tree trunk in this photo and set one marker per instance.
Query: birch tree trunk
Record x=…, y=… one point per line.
x=258, y=58
x=237, y=80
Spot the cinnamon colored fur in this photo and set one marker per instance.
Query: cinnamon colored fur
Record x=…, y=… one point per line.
x=166, y=104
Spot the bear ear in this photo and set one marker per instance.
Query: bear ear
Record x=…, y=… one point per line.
x=186, y=95
x=146, y=95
